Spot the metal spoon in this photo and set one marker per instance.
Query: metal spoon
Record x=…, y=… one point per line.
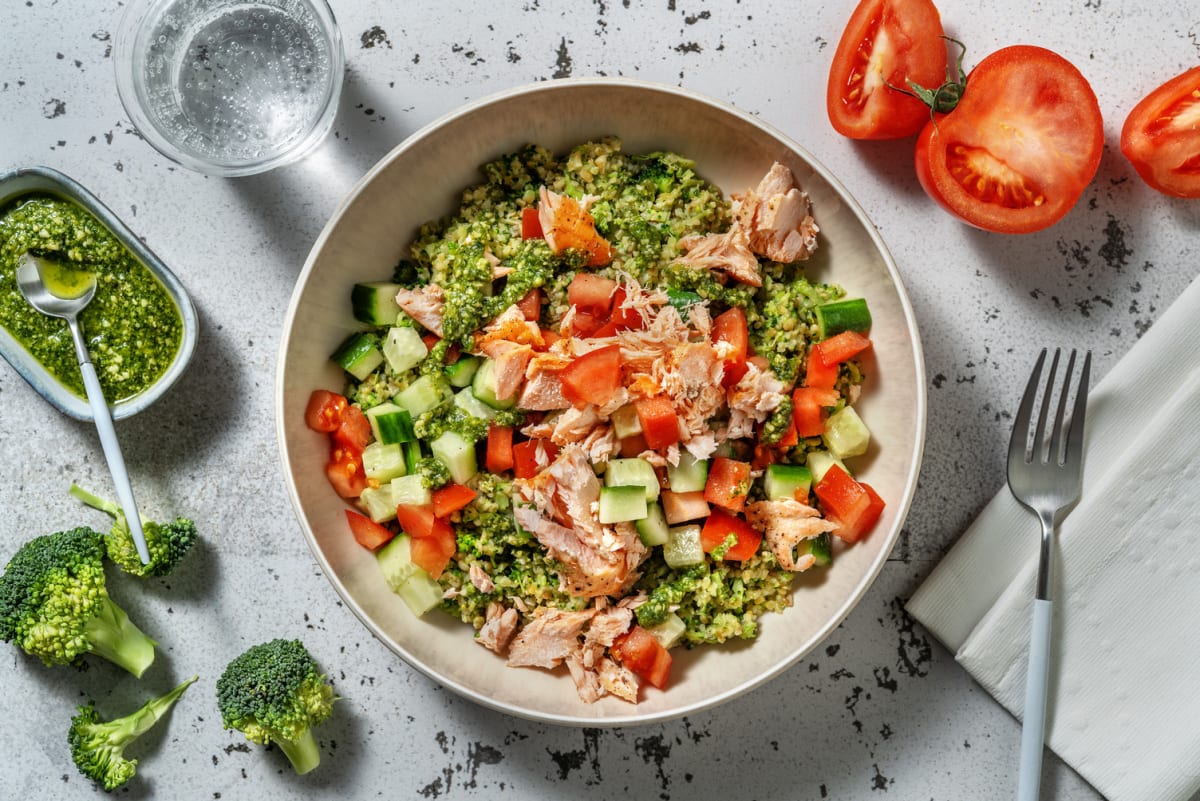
x=33, y=287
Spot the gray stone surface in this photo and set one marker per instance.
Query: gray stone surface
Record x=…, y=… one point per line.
x=879, y=710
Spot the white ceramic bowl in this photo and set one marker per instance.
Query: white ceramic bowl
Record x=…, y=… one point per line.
x=422, y=179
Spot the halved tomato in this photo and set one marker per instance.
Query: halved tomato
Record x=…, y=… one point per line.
x=1161, y=136
x=1021, y=146
x=885, y=42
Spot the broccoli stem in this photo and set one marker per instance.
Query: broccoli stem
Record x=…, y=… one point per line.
x=302, y=752
x=112, y=635
x=143, y=720
x=95, y=501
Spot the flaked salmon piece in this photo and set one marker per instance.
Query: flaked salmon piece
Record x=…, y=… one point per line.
x=498, y=627
x=542, y=393
x=601, y=444
x=424, y=305
x=587, y=681
x=570, y=426
x=511, y=326
x=729, y=253
x=777, y=217
x=785, y=523
x=606, y=626
x=633, y=601
x=510, y=360
x=618, y=680
x=480, y=579
x=587, y=572
x=567, y=224
x=549, y=638
x=701, y=446
x=752, y=400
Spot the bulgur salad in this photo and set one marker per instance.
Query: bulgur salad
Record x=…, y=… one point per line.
x=600, y=412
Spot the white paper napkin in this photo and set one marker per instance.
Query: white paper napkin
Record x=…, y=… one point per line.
x=1124, y=699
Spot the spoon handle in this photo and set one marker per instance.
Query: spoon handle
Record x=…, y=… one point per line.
x=112, y=454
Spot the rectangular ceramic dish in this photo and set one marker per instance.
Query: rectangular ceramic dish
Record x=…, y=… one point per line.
x=46, y=181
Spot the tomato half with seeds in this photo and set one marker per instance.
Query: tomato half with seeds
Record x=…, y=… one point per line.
x=1021, y=146
x=885, y=42
x=1161, y=136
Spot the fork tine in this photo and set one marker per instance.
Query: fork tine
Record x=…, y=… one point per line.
x=1060, y=417
x=1018, y=446
x=1075, y=435
x=1039, y=437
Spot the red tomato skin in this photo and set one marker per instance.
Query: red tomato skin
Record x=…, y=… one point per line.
x=324, y=410
x=366, y=531
x=808, y=409
x=719, y=525
x=1017, y=88
x=637, y=650
x=345, y=472
x=594, y=377
x=499, y=456
x=591, y=293
x=531, y=226
x=354, y=430
x=448, y=499
x=818, y=374
x=531, y=305
x=660, y=425
x=915, y=51
x=1164, y=151
x=855, y=506
x=841, y=347
x=730, y=326
x=728, y=483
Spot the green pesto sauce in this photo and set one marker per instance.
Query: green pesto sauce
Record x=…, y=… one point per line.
x=133, y=328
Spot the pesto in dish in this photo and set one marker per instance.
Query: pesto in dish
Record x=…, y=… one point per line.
x=133, y=327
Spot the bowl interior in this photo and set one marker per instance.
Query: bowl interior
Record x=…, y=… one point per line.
x=46, y=181
x=421, y=180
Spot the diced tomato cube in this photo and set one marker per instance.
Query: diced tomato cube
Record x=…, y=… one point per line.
x=638, y=650
x=499, y=449
x=431, y=554
x=585, y=324
x=730, y=326
x=818, y=374
x=808, y=409
x=531, y=226
x=591, y=294
x=433, y=540
x=345, y=472
x=354, y=430
x=660, y=425
x=525, y=464
x=324, y=410
x=720, y=525
x=368, y=533
x=594, y=377
x=841, y=347
x=853, y=505
x=531, y=305
x=450, y=498
x=728, y=483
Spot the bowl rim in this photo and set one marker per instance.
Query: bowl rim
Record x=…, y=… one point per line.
x=17, y=183
x=903, y=503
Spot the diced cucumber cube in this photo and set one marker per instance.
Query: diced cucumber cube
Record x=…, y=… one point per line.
x=670, y=632
x=377, y=503
x=843, y=315
x=383, y=462
x=690, y=475
x=410, y=490
x=359, y=355
x=820, y=461
x=483, y=384
x=422, y=395
x=625, y=421
x=820, y=547
x=652, y=529
x=412, y=454
x=845, y=433
x=633, y=472
x=403, y=348
x=462, y=371
x=787, y=481
x=465, y=399
x=622, y=504
x=457, y=454
x=374, y=302
x=420, y=593
x=395, y=561
x=390, y=423
x=682, y=548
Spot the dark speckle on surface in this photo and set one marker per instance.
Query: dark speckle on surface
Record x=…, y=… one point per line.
x=54, y=108
x=589, y=755
x=375, y=36
x=562, y=63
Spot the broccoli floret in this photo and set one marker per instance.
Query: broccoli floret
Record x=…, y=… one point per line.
x=98, y=746
x=55, y=605
x=167, y=543
x=275, y=693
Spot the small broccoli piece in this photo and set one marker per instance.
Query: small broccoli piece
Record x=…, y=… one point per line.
x=167, y=543
x=98, y=746
x=55, y=604
x=275, y=693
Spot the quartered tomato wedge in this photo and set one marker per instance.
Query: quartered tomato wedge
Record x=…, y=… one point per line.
x=1161, y=137
x=1017, y=152
x=885, y=42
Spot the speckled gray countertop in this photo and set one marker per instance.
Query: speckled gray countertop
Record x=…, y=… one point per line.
x=879, y=710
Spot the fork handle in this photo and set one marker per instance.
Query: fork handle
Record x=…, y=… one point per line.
x=1033, y=728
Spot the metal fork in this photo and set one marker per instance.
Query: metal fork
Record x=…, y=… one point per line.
x=1046, y=477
